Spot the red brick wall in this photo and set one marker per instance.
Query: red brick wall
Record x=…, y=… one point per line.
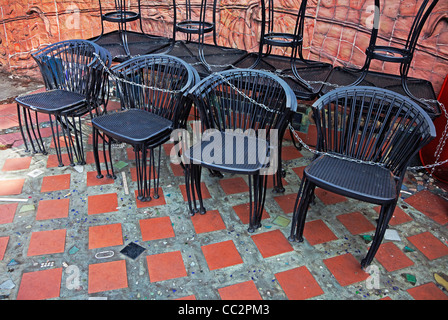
x=337, y=31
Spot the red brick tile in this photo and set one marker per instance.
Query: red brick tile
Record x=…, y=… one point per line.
x=242, y=211
x=240, y=291
x=290, y=153
x=328, y=197
x=53, y=161
x=204, y=191
x=107, y=276
x=92, y=180
x=11, y=187
x=398, y=217
x=164, y=266
x=3, y=245
x=17, y=164
x=346, y=269
x=107, y=235
x=190, y=297
x=299, y=171
x=7, y=212
x=431, y=205
x=429, y=245
x=47, y=242
x=428, y=291
x=286, y=202
x=156, y=228
x=298, y=284
x=211, y=221
x=356, y=222
x=317, y=231
x=177, y=170
x=153, y=202
x=62, y=141
x=131, y=154
x=392, y=258
x=55, y=183
x=272, y=243
x=270, y=182
x=52, y=209
x=90, y=159
x=234, y=185
x=102, y=203
x=40, y=285
x=221, y=255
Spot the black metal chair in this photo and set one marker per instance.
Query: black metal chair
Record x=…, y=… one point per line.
x=122, y=13
x=306, y=77
x=366, y=139
x=76, y=84
x=416, y=89
x=235, y=107
x=151, y=90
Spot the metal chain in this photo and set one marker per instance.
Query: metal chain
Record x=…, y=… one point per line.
x=115, y=78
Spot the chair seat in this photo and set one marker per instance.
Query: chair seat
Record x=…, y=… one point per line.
x=52, y=101
x=361, y=181
x=235, y=152
x=133, y=126
x=195, y=27
x=121, y=16
x=282, y=39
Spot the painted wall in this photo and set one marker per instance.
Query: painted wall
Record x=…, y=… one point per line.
x=336, y=31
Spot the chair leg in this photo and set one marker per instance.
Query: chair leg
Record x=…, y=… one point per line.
x=193, y=188
x=152, y=171
x=304, y=197
x=19, y=117
x=95, y=134
x=197, y=182
x=142, y=176
x=57, y=142
x=257, y=196
x=383, y=221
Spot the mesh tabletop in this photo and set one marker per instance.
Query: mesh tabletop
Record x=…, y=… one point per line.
x=133, y=125
x=231, y=152
x=52, y=101
x=358, y=180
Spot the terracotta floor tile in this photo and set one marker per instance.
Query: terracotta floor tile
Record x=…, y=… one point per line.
x=53, y=161
x=270, y=183
x=317, y=231
x=286, y=202
x=191, y=297
x=153, y=202
x=356, y=223
x=234, y=185
x=105, y=236
x=156, y=228
x=398, y=217
x=55, y=183
x=211, y=221
x=102, y=203
x=47, y=242
x=299, y=171
x=7, y=212
x=40, y=285
x=272, y=243
x=298, y=284
x=11, y=187
x=92, y=180
x=164, y=266
x=240, y=291
x=52, y=209
x=107, y=276
x=221, y=255
x=429, y=245
x=242, y=211
x=17, y=164
x=328, y=197
x=90, y=159
x=392, y=258
x=177, y=170
x=431, y=205
x=290, y=153
x=3, y=245
x=204, y=191
x=428, y=291
x=62, y=141
x=346, y=269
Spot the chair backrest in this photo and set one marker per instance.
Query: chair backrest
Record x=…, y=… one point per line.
x=74, y=65
x=422, y=15
x=244, y=99
x=372, y=124
x=156, y=83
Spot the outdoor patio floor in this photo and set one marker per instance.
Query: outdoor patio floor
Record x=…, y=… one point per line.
x=65, y=241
